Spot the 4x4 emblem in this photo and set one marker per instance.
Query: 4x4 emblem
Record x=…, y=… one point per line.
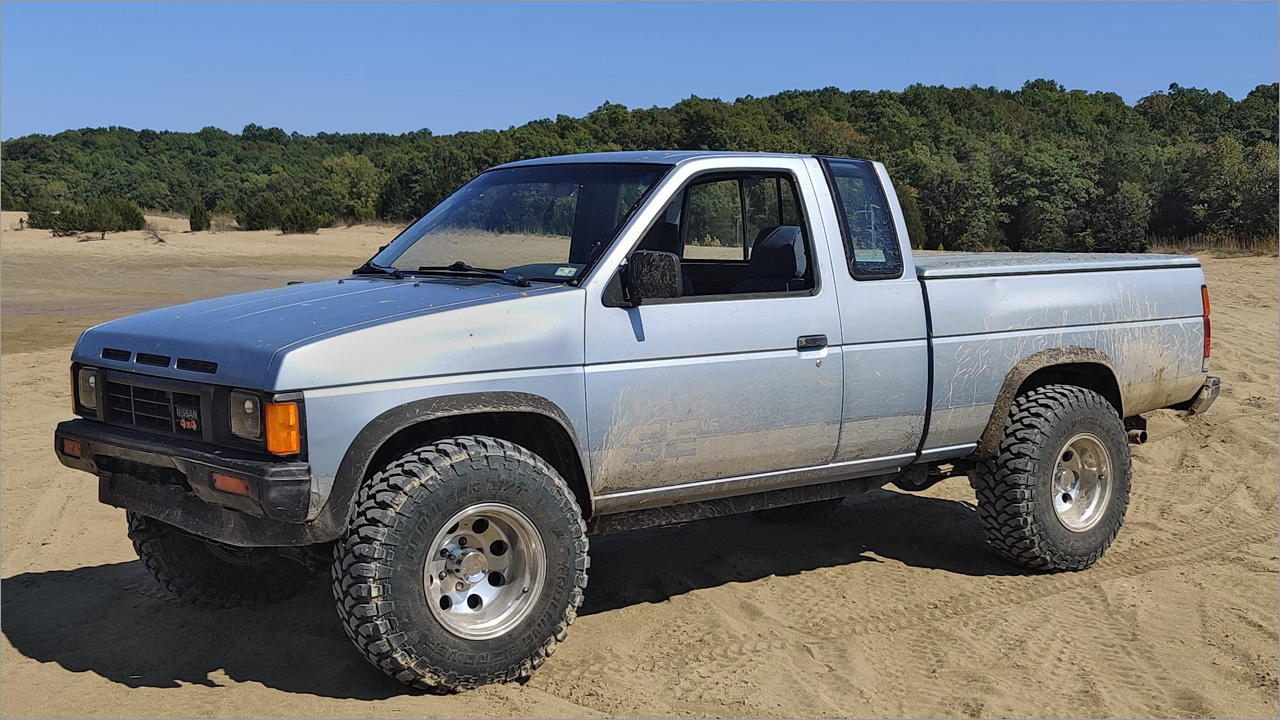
x=188, y=418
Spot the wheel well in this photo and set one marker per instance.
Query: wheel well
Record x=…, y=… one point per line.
x=1090, y=376
x=1095, y=376
x=538, y=433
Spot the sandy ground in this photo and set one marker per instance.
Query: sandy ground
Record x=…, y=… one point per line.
x=892, y=608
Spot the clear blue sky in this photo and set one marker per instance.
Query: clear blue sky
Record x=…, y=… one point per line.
x=395, y=67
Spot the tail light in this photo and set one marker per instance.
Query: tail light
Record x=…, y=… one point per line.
x=1204, y=299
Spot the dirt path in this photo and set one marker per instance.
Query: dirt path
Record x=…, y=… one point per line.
x=894, y=607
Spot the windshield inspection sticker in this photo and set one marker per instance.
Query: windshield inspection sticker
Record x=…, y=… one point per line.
x=566, y=271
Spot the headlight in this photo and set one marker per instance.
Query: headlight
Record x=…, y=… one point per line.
x=87, y=388
x=246, y=415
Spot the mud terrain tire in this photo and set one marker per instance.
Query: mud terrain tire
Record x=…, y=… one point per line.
x=1017, y=492
x=385, y=586
x=211, y=574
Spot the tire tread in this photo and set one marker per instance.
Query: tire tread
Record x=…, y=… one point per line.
x=1006, y=484
x=363, y=573
x=184, y=569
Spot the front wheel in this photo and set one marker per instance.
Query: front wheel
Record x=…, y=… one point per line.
x=465, y=565
x=211, y=574
x=1055, y=496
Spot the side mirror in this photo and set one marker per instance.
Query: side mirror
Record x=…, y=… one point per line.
x=652, y=274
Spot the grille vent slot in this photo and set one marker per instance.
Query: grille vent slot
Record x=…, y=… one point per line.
x=149, y=359
x=114, y=354
x=200, y=366
x=149, y=408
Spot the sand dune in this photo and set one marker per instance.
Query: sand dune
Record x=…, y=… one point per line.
x=894, y=607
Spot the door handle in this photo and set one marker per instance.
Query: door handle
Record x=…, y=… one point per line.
x=811, y=342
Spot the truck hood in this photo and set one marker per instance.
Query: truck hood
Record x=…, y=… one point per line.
x=241, y=339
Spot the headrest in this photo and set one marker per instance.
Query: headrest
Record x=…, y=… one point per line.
x=780, y=254
x=664, y=237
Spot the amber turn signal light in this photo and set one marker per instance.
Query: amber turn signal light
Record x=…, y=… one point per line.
x=284, y=436
x=71, y=447
x=230, y=484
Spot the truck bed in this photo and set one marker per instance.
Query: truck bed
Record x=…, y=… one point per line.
x=933, y=264
x=1140, y=315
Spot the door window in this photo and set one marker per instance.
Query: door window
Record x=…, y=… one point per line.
x=737, y=235
x=714, y=228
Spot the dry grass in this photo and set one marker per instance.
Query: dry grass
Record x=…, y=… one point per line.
x=1217, y=245
x=222, y=223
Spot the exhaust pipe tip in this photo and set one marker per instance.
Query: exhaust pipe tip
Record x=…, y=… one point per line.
x=1138, y=437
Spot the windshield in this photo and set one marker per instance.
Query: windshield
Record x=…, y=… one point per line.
x=541, y=222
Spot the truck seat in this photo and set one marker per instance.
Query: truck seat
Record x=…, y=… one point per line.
x=778, y=263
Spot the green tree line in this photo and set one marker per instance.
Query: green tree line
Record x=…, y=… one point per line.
x=1038, y=168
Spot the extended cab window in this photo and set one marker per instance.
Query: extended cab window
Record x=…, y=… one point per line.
x=737, y=234
x=870, y=241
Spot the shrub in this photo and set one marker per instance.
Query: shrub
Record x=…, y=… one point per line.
x=69, y=220
x=120, y=214
x=200, y=217
x=262, y=214
x=100, y=215
x=300, y=218
x=41, y=215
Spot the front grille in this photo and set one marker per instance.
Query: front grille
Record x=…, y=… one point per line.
x=177, y=413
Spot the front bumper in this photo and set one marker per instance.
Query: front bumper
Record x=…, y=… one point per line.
x=1205, y=397
x=173, y=483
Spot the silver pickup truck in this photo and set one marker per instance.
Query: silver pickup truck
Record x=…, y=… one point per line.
x=595, y=343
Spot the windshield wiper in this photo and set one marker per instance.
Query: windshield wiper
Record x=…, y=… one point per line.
x=372, y=268
x=461, y=267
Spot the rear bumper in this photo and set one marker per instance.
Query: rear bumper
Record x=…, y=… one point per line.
x=172, y=483
x=1205, y=397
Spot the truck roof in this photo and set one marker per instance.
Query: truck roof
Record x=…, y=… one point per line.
x=655, y=157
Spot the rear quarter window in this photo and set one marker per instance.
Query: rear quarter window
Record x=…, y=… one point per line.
x=870, y=239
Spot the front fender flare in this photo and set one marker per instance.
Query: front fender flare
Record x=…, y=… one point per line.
x=355, y=463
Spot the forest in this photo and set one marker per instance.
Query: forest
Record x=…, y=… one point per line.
x=1038, y=168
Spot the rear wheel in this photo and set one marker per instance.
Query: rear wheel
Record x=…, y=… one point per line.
x=212, y=574
x=465, y=565
x=1055, y=496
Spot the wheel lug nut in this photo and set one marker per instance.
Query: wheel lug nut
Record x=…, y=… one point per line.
x=462, y=542
x=443, y=574
x=444, y=552
x=460, y=586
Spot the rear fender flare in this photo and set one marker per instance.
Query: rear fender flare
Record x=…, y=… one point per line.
x=1019, y=374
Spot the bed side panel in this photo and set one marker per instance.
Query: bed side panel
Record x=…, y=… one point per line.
x=970, y=306
x=1147, y=323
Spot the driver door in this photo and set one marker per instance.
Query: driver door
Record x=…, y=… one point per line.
x=739, y=377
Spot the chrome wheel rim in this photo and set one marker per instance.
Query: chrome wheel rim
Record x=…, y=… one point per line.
x=485, y=571
x=1081, y=482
